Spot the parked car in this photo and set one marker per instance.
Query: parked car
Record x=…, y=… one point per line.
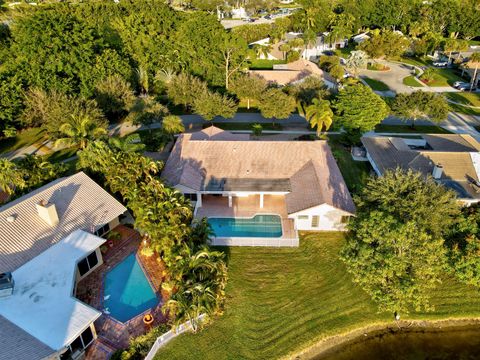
x=456, y=84
x=268, y=17
x=440, y=63
x=466, y=87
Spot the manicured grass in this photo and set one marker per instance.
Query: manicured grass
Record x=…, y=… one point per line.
x=376, y=84
x=377, y=67
x=281, y=300
x=244, y=126
x=467, y=98
x=411, y=81
x=263, y=64
x=354, y=172
x=415, y=61
x=424, y=129
x=444, y=77
x=345, y=52
x=464, y=110
x=24, y=138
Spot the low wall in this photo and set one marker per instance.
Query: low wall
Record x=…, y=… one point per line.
x=264, y=242
x=165, y=338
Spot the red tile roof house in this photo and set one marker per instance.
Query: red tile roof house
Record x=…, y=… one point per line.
x=49, y=240
x=229, y=176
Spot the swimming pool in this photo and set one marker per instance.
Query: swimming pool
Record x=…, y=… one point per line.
x=268, y=226
x=127, y=291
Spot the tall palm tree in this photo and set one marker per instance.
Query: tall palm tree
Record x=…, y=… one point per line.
x=79, y=130
x=142, y=80
x=10, y=176
x=262, y=50
x=129, y=144
x=474, y=61
x=318, y=114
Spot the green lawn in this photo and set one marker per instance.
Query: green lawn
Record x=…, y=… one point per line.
x=376, y=84
x=244, y=126
x=415, y=61
x=464, y=110
x=282, y=300
x=467, y=98
x=355, y=173
x=424, y=129
x=411, y=81
x=263, y=64
x=24, y=138
x=444, y=77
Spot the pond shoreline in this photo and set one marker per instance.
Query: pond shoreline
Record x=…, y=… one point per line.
x=334, y=344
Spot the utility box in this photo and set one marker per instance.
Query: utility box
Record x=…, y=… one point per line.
x=6, y=284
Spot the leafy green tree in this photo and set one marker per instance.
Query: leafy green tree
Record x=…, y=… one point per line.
x=310, y=88
x=340, y=26
x=359, y=109
x=80, y=129
x=211, y=104
x=172, y=125
x=284, y=48
x=11, y=104
x=318, y=114
x=146, y=111
x=474, y=62
x=39, y=171
x=142, y=80
x=183, y=89
x=387, y=43
x=248, y=87
x=11, y=177
x=421, y=105
x=357, y=60
x=114, y=96
x=395, y=250
x=275, y=104
x=257, y=129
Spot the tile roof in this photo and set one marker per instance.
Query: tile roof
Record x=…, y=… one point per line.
x=17, y=344
x=80, y=204
x=294, y=72
x=260, y=166
x=454, y=152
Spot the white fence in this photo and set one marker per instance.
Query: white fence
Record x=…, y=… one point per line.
x=165, y=338
x=251, y=241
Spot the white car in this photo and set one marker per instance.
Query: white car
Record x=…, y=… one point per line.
x=458, y=84
x=440, y=63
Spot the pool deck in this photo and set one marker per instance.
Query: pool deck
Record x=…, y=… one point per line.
x=247, y=207
x=113, y=334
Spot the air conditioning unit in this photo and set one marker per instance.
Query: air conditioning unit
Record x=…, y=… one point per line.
x=78, y=355
x=6, y=284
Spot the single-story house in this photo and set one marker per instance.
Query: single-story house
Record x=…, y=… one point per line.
x=292, y=73
x=49, y=240
x=451, y=159
x=228, y=175
x=310, y=52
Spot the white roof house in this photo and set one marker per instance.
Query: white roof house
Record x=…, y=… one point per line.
x=42, y=303
x=43, y=235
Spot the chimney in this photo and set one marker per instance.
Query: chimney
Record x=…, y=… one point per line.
x=48, y=212
x=437, y=171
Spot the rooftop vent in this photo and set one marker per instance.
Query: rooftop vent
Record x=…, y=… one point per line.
x=6, y=284
x=11, y=219
x=48, y=212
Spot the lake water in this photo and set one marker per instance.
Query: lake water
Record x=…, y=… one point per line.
x=462, y=343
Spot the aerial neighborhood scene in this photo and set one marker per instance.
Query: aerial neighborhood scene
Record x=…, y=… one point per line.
x=239, y=179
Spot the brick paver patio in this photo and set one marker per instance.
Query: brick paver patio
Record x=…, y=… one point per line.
x=113, y=334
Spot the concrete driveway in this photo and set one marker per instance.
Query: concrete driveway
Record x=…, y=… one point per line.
x=393, y=78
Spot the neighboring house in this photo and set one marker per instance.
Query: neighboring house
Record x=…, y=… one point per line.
x=311, y=52
x=46, y=246
x=227, y=175
x=294, y=72
x=452, y=160
x=360, y=38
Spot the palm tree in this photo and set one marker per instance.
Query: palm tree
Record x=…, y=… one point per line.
x=284, y=48
x=262, y=50
x=79, y=130
x=172, y=125
x=142, y=79
x=129, y=144
x=10, y=176
x=474, y=60
x=318, y=114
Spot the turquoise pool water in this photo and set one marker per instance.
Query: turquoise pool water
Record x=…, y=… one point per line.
x=269, y=226
x=127, y=291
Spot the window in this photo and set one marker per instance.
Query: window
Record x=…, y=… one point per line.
x=103, y=230
x=191, y=197
x=345, y=219
x=88, y=263
x=315, y=220
x=302, y=217
x=78, y=345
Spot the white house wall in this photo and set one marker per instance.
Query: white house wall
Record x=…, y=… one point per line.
x=330, y=218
